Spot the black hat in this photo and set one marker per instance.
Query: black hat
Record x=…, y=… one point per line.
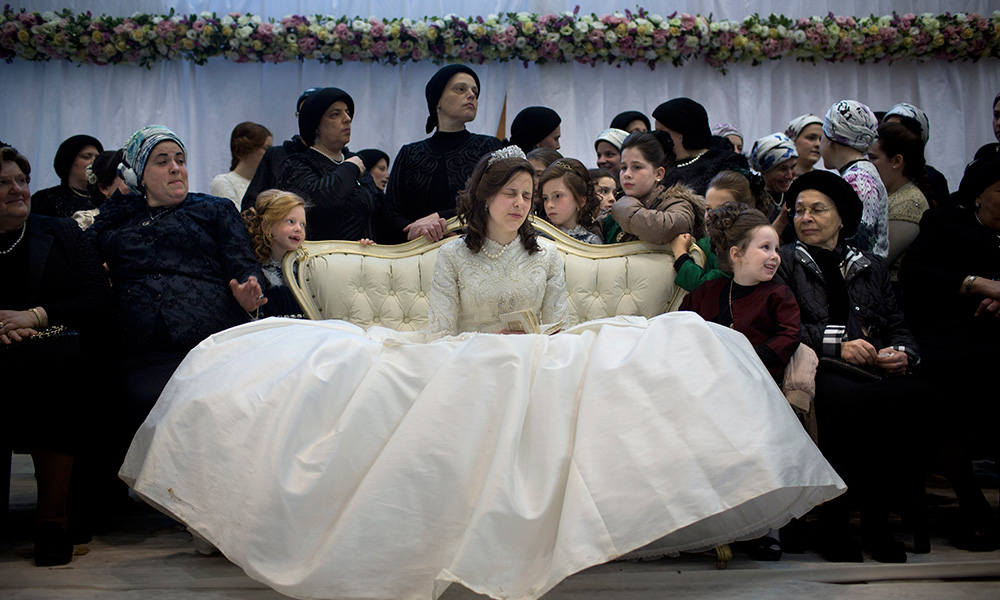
x=622, y=120
x=834, y=187
x=371, y=156
x=979, y=175
x=688, y=118
x=67, y=153
x=533, y=125
x=435, y=87
x=302, y=98
x=315, y=106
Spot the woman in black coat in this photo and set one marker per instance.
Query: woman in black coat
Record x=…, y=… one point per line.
x=864, y=394
x=50, y=276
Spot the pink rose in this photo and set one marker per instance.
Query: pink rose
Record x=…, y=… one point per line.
x=688, y=21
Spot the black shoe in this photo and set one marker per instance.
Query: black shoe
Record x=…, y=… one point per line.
x=975, y=539
x=52, y=545
x=886, y=549
x=840, y=546
x=765, y=549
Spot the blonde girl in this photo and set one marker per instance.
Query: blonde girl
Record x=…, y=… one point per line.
x=277, y=225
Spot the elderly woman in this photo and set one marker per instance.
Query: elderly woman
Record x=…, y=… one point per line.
x=536, y=127
x=950, y=281
x=427, y=175
x=805, y=131
x=341, y=197
x=863, y=393
x=52, y=277
x=849, y=130
x=697, y=156
x=181, y=264
x=75, y=154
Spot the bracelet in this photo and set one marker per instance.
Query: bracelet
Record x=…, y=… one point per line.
x=38, y=317
x=968, y=283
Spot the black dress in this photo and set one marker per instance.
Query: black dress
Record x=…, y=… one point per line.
x=60, y=201
x=427, y=176
x=698, y=173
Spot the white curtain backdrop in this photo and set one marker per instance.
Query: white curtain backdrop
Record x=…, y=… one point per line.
x=44, y=103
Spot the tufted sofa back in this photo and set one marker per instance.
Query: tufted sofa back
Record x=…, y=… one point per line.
x=388, y=285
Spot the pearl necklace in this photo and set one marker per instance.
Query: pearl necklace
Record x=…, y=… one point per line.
x=496, y=255
x=692, y=161
x=332, y=159
x=21, y=237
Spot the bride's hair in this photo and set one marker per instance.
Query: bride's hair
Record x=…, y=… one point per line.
x=485, y=182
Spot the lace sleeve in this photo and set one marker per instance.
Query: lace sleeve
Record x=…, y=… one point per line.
x=442, y=313
x=555, y=304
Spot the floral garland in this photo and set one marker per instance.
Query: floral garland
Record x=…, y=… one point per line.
x=618, y=39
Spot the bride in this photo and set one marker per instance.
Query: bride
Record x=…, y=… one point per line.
x=332, y=462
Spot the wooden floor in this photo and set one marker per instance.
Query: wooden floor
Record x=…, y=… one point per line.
x=148, y=556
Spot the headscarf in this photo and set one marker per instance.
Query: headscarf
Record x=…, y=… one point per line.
x=613, y=136
x=137, y=151
x=796, y=125
x=726, y=129
x=688, y=118
x=371, y=156
x=837, y=189
x=852, y=124
x=435, y=88
x=979, y=175
x=908, y=110
x=770, y=150
x=533, y=125
x=622, y=120
x=314, y=108
x=67, y=152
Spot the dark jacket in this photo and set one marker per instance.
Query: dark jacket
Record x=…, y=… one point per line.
x=341, y=203
x=171, y=268
x=699, y=173
x=873, y=314
x=269, y=169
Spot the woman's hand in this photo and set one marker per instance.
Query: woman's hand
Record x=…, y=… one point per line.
x=366, y=242
x=18, y=325
x=431, y=227
x=354, y=160
x=858, y=352
x=892, y=361
x=680, y=244
x=248, y=294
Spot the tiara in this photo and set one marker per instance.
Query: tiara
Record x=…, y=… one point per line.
x=504, y=153
x=562, y=165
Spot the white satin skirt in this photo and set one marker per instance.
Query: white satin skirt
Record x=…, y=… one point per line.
x=331, y=462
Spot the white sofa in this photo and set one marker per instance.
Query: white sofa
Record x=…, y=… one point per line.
x=388, y=285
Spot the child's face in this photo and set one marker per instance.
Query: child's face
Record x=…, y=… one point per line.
x=759, y=262
x=287, y=234
x=714, y=198
x=638, y=174
x=561, y=208
x=605, y=188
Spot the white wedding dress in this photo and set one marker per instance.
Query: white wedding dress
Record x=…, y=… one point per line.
x=332, y=462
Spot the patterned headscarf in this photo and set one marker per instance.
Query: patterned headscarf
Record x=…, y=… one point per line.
x=796, y=125
x=770, y=150
x=137, y=151
x=724, y=129
x=851, y=123
x=908, y=110
x=615, y=137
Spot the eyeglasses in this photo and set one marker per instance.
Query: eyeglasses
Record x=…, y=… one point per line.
x=817, y=211
x=22, y=181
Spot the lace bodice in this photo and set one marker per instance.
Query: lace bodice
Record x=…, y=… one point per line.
x=470, y=291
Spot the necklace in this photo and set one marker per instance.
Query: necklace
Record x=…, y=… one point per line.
x=692, y=161
x=78, y=192
x=19, y=238
x=731, y=313
x=153, y=217
x=332, y=159
x=496, y=255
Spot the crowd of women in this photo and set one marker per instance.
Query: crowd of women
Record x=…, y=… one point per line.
x=867, y=283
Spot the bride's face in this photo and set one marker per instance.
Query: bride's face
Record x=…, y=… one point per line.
x=509, y=208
